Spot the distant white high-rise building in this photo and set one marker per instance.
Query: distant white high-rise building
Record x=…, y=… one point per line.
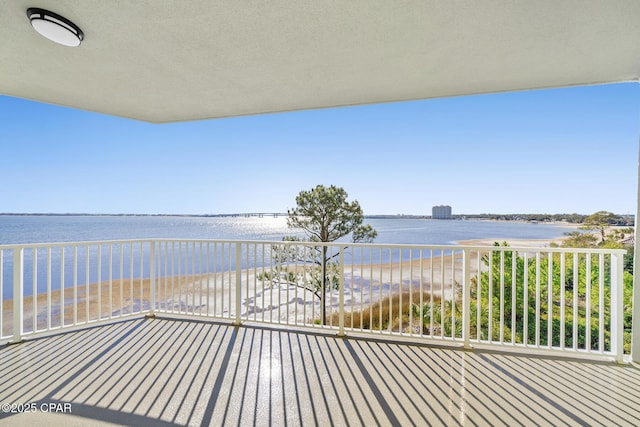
x=441, y=212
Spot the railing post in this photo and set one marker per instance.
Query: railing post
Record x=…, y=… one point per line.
x=341, y=297
x=238, y=283
x=635, y=317
x=18, y=286
x=152, y=278
x=617, y=306
x=466, y=298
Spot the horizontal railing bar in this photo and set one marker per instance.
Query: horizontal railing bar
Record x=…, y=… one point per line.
x=72, y=244
x=327, y=244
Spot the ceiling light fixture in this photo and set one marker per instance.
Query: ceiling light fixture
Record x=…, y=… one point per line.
x=55, y=27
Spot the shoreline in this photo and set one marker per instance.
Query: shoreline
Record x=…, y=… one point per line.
x=214, y=294
x=413, y=263
x=367, y=283
x=516, y=243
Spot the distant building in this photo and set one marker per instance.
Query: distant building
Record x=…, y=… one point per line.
x=441, y=212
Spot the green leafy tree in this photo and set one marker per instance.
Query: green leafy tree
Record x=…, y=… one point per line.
x=325, y=215
x=576, y=239
x=599, y=222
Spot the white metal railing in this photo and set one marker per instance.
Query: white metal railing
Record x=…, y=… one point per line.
x=561, y=300
x=45, y=287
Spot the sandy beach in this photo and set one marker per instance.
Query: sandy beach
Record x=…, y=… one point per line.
x=526, y=243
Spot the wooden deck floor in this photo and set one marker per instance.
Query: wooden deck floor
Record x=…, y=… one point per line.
x=174, y=372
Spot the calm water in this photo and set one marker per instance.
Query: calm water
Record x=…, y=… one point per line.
x=48, y=229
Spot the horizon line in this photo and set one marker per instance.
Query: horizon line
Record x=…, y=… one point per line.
x=285, y=214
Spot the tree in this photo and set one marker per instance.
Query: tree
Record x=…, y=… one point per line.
x=576, y=239
x=599, y=222
x=324, y=215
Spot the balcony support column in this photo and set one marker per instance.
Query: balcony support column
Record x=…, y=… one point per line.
x=635, y=324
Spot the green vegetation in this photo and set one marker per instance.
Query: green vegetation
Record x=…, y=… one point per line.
x=325, y=215
x=605, y=237
x=600, y=222
x=510, y=292
x=573, y=218
x=553, y=299
x=563, y=308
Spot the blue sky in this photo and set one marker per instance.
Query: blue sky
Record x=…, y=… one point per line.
x=550, y=151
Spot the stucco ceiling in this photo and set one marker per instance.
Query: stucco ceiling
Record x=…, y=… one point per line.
x=176, y=60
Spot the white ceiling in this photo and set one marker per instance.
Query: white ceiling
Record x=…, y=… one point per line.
x=176, y=60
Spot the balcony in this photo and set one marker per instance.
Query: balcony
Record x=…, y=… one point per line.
x=187, y=372
x=197, y=332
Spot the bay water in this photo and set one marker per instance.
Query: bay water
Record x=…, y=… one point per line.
x=24, y=229
x=20, y=229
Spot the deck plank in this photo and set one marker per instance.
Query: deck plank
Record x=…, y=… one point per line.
x=179, y=372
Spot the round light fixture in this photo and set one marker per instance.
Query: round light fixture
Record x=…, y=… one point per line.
x=55, y=27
